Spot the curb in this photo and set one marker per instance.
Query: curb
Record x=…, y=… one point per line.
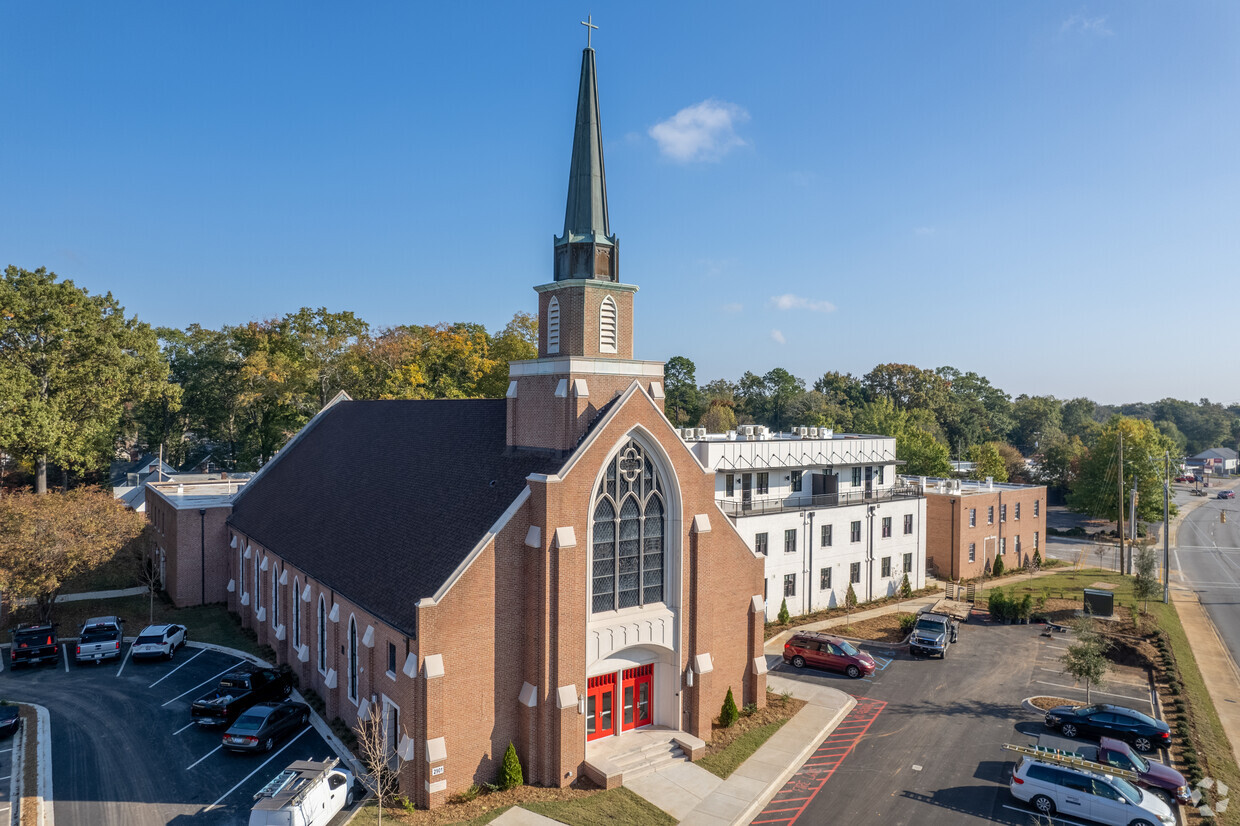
x=47, y=814
x=17, y=774
x=772, y=788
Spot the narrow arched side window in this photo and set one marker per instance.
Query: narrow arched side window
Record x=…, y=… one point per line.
x=258, y=585
x=553, y=326
x=607, y=326
x=322, y=634
x=297, y=614
x=275, y=598
x=352, y=659
x=628, y=537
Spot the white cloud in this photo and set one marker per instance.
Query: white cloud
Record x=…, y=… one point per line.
x=778, y=337
x=924, y=232
x=701, y=132
x=788, y=301
x=733, y=307
x=1086, y=25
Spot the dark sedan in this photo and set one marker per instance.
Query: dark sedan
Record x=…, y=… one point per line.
x=1103, y=720
x=8, y=719
x=263, y=725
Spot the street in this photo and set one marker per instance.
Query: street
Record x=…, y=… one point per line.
x=1207, y=559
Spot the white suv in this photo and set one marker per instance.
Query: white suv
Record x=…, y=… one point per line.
x=158, y=641
x=1085, y=794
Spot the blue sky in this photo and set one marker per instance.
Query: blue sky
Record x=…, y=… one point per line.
x=1046, y=193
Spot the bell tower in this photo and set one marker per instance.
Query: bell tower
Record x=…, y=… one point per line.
x=585, y=314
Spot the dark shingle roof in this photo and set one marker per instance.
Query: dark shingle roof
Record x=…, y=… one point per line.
x=382, y=500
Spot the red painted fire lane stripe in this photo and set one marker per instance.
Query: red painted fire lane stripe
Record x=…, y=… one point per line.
x=822, y=764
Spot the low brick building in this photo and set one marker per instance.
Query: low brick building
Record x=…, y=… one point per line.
x=969, y=524
x=188, y=520
x=549, y=570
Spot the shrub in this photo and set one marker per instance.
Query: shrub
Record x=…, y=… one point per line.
x=1026, y=606
x=462, y=797
x=1037, y=558
x=997, y=604
x=1180, y=705
x=907, y=621
x=510, y=773
x=997, y=568
x=749, y=709
x=906, y=590
x=784, y=616
x=729, y=714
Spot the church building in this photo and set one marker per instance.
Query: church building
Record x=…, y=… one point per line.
x=549, y=570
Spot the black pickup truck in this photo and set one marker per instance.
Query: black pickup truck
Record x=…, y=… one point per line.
x=33, y=644
x=237, y=691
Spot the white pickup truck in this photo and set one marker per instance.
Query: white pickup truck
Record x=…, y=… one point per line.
x=100, y=639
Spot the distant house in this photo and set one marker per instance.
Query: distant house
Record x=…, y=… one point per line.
x=1216, y=460
x=128, y=478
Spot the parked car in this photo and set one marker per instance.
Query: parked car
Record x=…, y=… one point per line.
x=263, y=725
x=1105, y=720
x=1226, y=494
x=100, y=639
x=932, y=634
x=9, y=719
x=237, y=691
x=1090, y=795
x=1188, y=479
x=1111, y=752
x=307, y=793
x=158, y=641
x=33, y=644
x=823, y=651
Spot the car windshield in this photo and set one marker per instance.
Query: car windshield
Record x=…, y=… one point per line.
x=1139, y=763
x=929, y=625
x=150, y=639
x=848, y=648
x=249, y=722
x=1085, y=710
x=1128, y=790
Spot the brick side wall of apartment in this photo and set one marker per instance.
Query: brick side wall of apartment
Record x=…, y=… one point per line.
x=179, y=533
x=948, y=533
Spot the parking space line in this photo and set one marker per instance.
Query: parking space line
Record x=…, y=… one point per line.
x=190, y=724
x=201, y=684
x=65, y=650
x=124, y=660
x=204, y=757
x=178, y=668
x=260, y=768
x=1095, y=691
x=1054, y=818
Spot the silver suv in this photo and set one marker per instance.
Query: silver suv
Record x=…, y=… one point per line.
x=1085, y=794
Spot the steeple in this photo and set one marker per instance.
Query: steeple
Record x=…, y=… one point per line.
x=587, y=249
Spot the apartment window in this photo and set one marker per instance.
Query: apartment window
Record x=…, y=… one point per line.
x=764, y=483
x=1002, y=545
x=973, y=552
x=990, y=515
x=908, y=523
x=1017, y=514
x=878, y=475
x=908, y=563
x=886, y=567
x=729, y=483
x=824, y=579
x=1037, y=507
x=854, y=573
x=855, y=532
x=796, y=481
x=759, y=543
x=790, y=585
x=856, y=480
x=1035, y=540
x=790, y=541
x=392, y=657
x=1003, y=513
x=886, y=527
x=972, y=517
x=826, y=536
x=1018, y=545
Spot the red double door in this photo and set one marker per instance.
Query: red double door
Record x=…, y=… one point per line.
x=632, y=703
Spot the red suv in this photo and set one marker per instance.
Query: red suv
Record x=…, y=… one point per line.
x=822, y=651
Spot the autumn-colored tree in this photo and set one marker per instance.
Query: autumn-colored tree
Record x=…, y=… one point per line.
x=47, y=540
x=1096, y=489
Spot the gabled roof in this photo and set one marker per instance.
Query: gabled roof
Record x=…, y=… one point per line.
x=118, y=473
x=383, y=500
x=1217, y=453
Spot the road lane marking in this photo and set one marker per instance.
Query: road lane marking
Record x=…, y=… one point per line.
x=204, y=682
x=124, y=660
x=190, y=724
x=204, y=757
x=260, y=768
x=178, y=668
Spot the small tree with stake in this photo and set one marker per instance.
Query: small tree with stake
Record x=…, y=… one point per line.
x=1146, y=583
x=141, y=553
x=1085, y=658
x=376, y=755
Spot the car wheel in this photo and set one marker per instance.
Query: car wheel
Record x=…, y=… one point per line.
x=1043, y=804
x=1068, y=730
x=1140, y=823
x=348, y=798
x=268, y=743
x=798, y=662
x=1143, y=744
x=853, y=671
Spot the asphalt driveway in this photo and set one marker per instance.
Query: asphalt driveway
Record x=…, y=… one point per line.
x=124, y=752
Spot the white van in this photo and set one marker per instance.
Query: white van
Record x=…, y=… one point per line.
x=307, y=793
x=1077, y=792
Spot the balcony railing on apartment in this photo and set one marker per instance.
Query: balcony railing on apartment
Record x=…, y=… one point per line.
x=754, y=507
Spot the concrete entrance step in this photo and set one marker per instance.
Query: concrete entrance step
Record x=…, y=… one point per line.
x=649, y=759
x=612, y=762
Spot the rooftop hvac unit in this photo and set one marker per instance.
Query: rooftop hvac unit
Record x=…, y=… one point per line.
x=748, y=431
x=701, y=433
x=803, y=432
x=813, y=433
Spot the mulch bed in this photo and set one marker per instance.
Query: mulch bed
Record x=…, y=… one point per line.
x=777, y=708
x=878, y=629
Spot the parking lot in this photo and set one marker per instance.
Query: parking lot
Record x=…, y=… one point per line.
x=923, y=745
x=6, y=778
x=124, y=751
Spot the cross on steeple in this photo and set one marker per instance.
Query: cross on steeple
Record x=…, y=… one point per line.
x=589, y=24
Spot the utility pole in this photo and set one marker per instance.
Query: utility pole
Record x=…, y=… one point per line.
x=1166, y=527
x=1120, y=479
x=1132, y=524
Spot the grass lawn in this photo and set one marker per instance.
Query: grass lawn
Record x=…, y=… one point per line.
x=729, y=747
x=615, y=806
x=1217, y=758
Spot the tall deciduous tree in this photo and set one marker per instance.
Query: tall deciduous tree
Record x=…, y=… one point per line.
x=69, y=363
x=47, y=540
x=987, y=462
x=682, y=399
x=1096, y=489
x=1038, y=418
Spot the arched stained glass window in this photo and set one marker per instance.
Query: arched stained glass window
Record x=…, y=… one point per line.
x=629, y=536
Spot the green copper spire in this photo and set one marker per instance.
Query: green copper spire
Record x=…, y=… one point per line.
x=587, y=249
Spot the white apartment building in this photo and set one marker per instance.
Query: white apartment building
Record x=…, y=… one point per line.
x=825, y=509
